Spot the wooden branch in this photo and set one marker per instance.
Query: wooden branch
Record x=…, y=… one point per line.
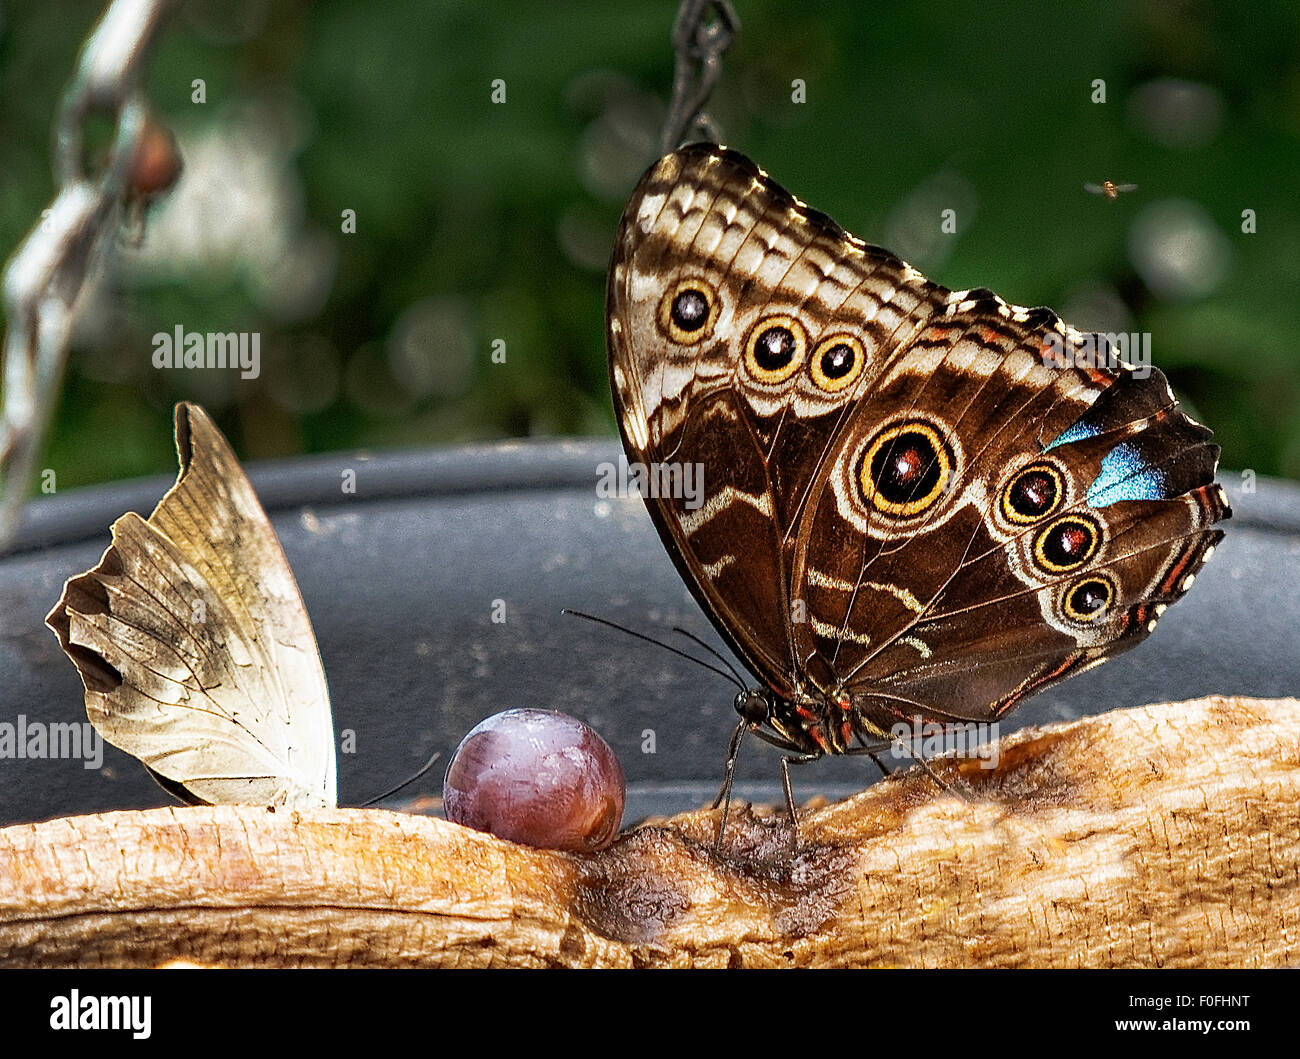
x=1162, y=836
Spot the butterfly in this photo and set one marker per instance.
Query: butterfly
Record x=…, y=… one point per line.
x=194, y=646
x=919, y=505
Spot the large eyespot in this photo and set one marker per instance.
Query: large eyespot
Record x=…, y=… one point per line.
x=775, y=349
x=905, y=469
x=837, y=362
x=1067, y=543
x=1089, y=600
x=688, y=312
x=1034, y=493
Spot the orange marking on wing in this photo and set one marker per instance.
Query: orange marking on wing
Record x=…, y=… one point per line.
x=1175, y=574
x=1028, y=688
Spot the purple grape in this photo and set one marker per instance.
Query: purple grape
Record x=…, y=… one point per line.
x=541, y=778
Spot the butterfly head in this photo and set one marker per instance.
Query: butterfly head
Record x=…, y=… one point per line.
x=798, y=725
x=754, y=706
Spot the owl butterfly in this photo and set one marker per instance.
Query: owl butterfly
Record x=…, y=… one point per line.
x=918, y=504
x=194, y=646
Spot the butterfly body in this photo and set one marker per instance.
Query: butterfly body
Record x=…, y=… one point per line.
x=918, y=504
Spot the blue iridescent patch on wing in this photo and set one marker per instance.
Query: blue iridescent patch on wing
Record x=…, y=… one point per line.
x=1076, y=431
x=1125, y=475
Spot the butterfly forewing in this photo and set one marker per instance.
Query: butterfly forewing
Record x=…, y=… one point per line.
x=706, y=220
x=931, y=502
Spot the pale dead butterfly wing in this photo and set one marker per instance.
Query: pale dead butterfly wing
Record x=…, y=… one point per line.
x=194, y=646
x=917, y=503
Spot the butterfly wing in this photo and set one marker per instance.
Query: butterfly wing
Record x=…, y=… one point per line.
x=194, y=645
x=1011, y=503
x=705, y=225
x=752, y=336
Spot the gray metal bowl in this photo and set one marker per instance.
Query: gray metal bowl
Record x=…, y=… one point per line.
x=401, y=578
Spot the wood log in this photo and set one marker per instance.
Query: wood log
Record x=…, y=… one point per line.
x=1162, y=836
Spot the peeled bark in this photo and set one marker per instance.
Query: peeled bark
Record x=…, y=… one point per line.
x=1155, y=837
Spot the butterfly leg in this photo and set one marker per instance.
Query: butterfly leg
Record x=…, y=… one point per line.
x=729, y=773
x=786, y=762
x=944, y=784
x=873, y=749
x=728, y=778
x=789, y=791
x=888, y=742
x=729, y=770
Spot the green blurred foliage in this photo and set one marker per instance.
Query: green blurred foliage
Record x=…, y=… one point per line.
x=494, y=220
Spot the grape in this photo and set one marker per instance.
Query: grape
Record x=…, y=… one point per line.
x=536, y=777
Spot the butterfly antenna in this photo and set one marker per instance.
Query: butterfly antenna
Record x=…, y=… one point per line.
x=658, y=643
x=716, y=654
x=405, y=783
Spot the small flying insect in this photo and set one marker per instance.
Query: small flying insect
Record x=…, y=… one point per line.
x=1110, y=190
